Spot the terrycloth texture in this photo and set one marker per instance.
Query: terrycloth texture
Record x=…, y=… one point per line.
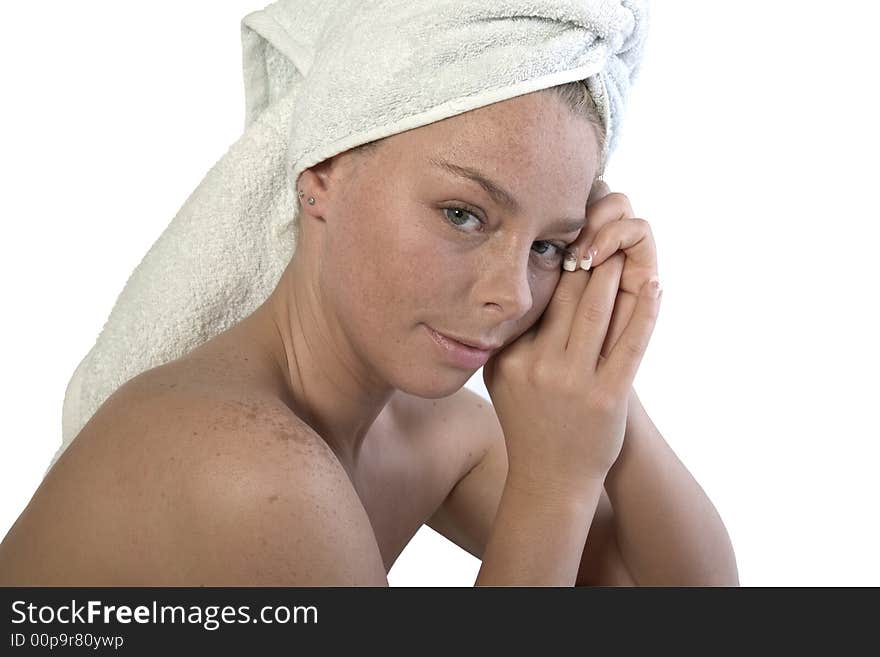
x=321, y=77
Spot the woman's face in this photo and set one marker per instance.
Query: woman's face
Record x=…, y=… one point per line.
x=406, y=243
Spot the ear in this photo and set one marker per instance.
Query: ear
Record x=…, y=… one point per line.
x=324, y=181
x=315, y=180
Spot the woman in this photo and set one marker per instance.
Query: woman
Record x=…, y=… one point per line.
x=309, y=442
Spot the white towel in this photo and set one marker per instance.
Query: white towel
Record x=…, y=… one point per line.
x=321, y=77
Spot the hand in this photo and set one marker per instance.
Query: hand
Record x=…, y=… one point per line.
x=562, y=411
x=612, y=226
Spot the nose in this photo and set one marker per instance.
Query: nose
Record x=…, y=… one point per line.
x=506, y=287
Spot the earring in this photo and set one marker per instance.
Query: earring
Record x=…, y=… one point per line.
x=311, y=198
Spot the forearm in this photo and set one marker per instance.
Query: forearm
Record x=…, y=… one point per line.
x=538, y=537
x=668, y=531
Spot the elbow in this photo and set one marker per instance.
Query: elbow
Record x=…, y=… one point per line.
x=716, y=575
x=726, y=578
x=711, y=577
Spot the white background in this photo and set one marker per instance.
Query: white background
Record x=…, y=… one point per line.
x=750, y=145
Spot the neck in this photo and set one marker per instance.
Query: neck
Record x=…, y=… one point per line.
x=329, y=385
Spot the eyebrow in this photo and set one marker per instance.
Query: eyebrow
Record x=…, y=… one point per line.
x=500, y=195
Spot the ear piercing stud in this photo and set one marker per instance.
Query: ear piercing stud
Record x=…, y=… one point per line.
x=311, y=198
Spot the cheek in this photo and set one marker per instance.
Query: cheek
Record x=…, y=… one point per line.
x=542, y=285
x=380, y=270
x=424, y=263
x=428, y=275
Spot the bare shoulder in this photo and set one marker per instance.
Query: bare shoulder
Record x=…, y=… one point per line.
x=275, y=508
x=183, y=488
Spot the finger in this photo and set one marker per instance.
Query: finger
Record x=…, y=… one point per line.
x=631, y=235
x=605, y=210
x=624, y=306
x=626, y=356
x=634, y=238
x=555, y=324
x=594, y=310
x=556, y=320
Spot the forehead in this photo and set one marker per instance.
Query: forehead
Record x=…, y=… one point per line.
x=524, y=143
x=517, y=123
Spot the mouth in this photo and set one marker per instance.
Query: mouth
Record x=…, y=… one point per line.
x=470, y=354
x=479, y=345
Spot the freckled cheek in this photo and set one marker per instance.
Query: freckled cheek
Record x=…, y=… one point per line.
x=429, y=275
x=393, y=271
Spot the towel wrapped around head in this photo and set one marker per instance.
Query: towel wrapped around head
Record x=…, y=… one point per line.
x=322, y=77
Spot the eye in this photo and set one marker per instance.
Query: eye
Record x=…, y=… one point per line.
x=549, y=254
x=553, y=253
x=460, y=211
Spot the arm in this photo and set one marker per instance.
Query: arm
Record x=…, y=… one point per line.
x=468, y=515
x=668, y=531
x=537, y=539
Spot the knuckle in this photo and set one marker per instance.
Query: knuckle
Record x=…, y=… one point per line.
x=604, y=401
x=570, y=382
x=561, y=380
x=566, y=294
x=593, y=311
x=620, y=200
x=511, y=364
x=634, y=348
x=618, y=257
x=541, y=373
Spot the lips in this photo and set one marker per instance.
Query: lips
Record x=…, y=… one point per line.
x=459, y=353
x=474, y=344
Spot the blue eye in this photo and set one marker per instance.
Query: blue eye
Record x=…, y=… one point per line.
x=551, y=254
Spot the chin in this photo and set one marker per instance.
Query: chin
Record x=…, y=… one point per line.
x=433, y=382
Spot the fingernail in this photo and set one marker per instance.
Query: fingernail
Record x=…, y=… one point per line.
x=587, y=260
x=570, y=262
